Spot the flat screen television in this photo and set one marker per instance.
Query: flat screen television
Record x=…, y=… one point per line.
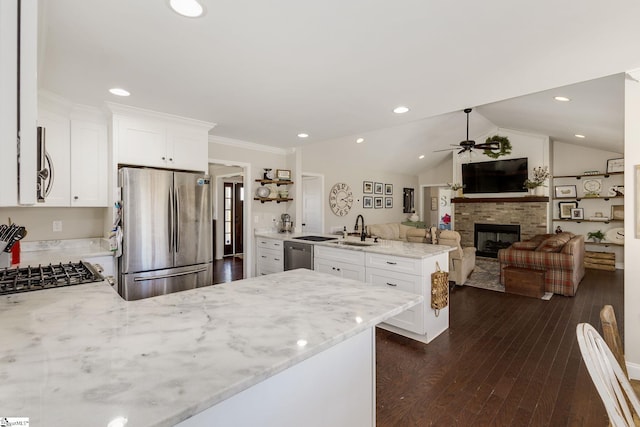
x=499, y=176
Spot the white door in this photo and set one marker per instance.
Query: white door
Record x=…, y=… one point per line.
x=312, y=206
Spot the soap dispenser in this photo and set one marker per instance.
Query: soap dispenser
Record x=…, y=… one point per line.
x=344, y=232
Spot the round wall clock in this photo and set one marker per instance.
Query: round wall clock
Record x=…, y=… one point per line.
x=340, y=199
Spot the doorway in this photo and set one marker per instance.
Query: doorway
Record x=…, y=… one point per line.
x=233, y=226
x=436, y=209
x=312, y=203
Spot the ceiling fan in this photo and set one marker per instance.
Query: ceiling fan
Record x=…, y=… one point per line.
x=470, y=145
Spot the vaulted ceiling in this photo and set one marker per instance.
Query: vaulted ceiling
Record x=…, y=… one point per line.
x=266, y=71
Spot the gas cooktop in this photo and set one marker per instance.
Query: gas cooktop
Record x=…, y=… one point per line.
x=316, y=238
x=14, y=280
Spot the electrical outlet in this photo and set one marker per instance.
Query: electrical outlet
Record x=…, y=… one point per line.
x=57, y=226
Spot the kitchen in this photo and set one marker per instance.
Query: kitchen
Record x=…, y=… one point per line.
x=94, y=221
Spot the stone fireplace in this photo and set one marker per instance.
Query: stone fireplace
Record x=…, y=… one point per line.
x=529, y=213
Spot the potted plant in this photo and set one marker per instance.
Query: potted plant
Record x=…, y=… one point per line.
x=597, y=236
x=457, y=187
x=536, y=182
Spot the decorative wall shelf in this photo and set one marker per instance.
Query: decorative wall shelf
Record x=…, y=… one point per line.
x=606, y=175
x=591, y=197
x=268, y=199
x=524, y=199
x=586, y=220
x=277, y=182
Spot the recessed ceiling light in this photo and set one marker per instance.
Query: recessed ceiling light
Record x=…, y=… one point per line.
x=359, y=140
x=421, y=156
x=562, y=98
x=303, y=135
x=577, y=135
x=400, y=109
x=188, y=8
x=119, y=91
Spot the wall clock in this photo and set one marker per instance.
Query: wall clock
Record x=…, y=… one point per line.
x=340, y=199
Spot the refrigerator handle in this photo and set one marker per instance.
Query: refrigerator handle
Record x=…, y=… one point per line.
x=177, y=221
x=171, y=221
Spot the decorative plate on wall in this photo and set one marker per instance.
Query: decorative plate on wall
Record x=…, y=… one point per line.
x=615, y=235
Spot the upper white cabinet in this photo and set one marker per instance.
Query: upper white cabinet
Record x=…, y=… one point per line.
x=88, y=163
x=77, y=154
x=18, y=58
x=57, y=186
x=148, y=138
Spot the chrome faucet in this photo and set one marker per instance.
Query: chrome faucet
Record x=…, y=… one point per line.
x=363, y=235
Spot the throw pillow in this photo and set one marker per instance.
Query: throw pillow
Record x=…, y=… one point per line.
x=527, y=245
x=555, y=243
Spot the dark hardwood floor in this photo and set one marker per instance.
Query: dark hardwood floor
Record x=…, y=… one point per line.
x=227, y=269
x=506, y=360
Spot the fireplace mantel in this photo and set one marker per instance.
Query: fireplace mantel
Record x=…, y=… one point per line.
x=525, y=199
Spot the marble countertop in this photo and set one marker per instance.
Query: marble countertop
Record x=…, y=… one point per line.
x=81, y=355
x=383, y=247
x=56, y=251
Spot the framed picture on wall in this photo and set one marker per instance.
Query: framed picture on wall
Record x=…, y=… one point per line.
x=377, y=202
x=388, y=189
x=367, y=187
x=565, y=209
x=388, y=202
x=577, y=213
x=565, y=191
x=367, y=202
x=378, y=188
x=615, y=165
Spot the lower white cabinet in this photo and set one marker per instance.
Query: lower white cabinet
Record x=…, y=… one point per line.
x=269, y=256
x=413, y=318
x=339, y=262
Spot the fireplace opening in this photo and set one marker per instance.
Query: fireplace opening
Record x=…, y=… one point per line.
x=489, y=238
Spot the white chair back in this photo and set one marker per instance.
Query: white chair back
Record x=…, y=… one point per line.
x=610, y=381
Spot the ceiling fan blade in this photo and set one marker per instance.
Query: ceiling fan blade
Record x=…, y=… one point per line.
x=489, y=145
x=446, y=149
x=463, y=150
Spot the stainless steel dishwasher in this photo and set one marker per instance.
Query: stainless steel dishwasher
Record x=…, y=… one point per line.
x=298, y=255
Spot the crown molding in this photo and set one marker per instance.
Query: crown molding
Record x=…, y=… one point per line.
x=127, y=110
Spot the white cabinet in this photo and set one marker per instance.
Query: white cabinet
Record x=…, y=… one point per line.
x=147, y=138
x=339, y=262
x=18, y=58
x=413, y=318
x=88, y=163
x=269, y=256
x=57, y=137
x=77, y=148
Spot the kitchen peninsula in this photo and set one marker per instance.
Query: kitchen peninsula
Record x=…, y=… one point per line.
x=395, y=264
x=297, y=348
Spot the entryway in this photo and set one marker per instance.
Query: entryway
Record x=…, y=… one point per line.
x=312, y=203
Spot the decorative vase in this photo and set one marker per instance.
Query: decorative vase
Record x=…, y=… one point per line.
x=538, y=191
x=459, y=193
x=414, y=217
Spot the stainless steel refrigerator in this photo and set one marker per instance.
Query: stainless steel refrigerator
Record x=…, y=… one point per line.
x=166, y=226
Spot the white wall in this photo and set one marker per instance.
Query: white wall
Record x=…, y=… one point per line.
x=77, y=223
x=259, y=157
x=631, y=241
x=332, y=161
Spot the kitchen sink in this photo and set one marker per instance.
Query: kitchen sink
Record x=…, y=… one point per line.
x=343, y=243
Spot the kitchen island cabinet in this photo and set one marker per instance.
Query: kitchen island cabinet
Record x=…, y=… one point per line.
x=296, y=348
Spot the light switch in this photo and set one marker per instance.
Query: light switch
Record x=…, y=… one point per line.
x=57, y=226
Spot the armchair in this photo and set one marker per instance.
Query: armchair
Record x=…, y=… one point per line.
x=462, y=261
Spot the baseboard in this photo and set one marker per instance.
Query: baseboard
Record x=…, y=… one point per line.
x=634, y=370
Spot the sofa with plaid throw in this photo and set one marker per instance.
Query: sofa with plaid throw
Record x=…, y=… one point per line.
x=561, y=256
